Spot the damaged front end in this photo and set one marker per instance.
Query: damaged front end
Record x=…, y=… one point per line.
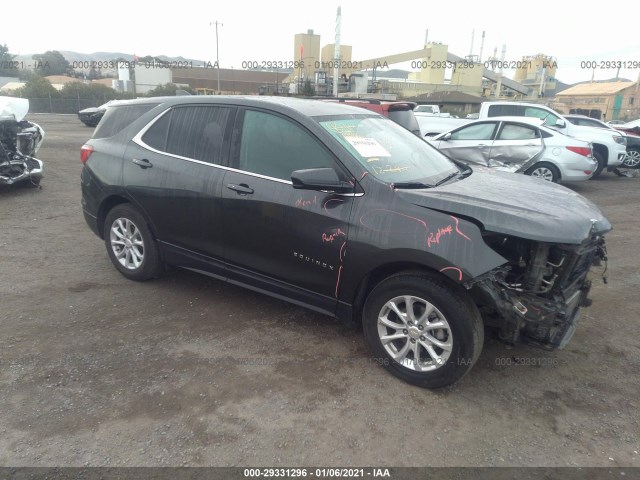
x=536, y=297
x=19, y=142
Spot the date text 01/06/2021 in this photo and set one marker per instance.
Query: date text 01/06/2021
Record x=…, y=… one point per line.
x=317, y=472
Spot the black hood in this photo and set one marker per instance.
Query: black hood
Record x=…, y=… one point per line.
x=516, y=205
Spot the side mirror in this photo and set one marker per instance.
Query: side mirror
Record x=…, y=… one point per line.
x=319, y=179
x=560, y=123
x=446, y=137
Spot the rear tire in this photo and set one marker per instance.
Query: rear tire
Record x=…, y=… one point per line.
x=602, y=163
x=130, y=245
x=545, y=171
x=422, y=330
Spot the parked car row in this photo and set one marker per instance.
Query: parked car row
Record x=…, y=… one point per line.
x=339, y=210
x=632, y=159
x=630, y=128
x=609, y=148
x=519, y=145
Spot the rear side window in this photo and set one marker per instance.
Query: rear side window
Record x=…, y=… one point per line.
x=119, y=117
x=156, y=136
x=545, y=134
x=195, y=132
x=511, y=131
x=505, y=111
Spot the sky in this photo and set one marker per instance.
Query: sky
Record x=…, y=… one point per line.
x=570, y=31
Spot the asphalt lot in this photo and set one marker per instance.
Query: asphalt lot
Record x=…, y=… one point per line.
x=97, y=370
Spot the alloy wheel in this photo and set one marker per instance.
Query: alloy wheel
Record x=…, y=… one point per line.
x=415, y=333
x=632, y=159
x=544, y=173
x=127, y=243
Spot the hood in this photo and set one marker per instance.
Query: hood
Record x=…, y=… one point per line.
x=13, y=108
x=92, y=110
x=516, y=205
x=589, y=134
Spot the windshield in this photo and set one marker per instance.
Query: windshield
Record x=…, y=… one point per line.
x=388, y=151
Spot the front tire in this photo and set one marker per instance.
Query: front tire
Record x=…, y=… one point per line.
x=30, y=183
x=423, y=330
x=130, y=245
x=632, y=160
x=545, y=171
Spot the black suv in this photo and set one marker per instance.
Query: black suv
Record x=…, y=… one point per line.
x=342, y=211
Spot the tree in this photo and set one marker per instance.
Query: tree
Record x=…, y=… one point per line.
x=5, y=59
x=308, y=89
x=92, y=92
x=52, y=62
x=26, y=75
x=38, y=87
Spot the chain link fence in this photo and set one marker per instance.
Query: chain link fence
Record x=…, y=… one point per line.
x=67, y=105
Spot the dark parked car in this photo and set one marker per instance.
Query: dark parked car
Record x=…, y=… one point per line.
x=630, y=128
x=91, y=116
x=345, y=212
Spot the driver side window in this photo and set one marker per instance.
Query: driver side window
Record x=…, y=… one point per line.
x=275, y=147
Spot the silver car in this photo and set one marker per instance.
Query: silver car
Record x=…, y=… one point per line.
x=519, y=145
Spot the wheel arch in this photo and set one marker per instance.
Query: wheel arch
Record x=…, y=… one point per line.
x=603, y=150
x=114, y=200
x=381, y=272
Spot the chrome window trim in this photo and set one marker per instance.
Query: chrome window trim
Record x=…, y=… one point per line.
x=137, y=139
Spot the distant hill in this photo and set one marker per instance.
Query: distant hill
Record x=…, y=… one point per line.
x=73, y=56
x=609, y=80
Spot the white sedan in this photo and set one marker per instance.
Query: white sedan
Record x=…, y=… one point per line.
x=519, y=145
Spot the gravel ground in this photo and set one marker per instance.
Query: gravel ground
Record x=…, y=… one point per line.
x=96, y=370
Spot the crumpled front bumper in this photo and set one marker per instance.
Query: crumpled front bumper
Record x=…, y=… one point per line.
x=32, y=169
x=546, y=314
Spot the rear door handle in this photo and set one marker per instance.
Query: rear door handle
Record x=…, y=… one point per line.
x=242, y=189
x=143, y=163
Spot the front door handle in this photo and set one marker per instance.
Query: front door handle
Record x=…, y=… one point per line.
x=142, y=163
x=242, y=189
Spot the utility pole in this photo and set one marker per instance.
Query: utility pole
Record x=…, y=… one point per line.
x=499, y=82
x=216, y=23
x=336, y=53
